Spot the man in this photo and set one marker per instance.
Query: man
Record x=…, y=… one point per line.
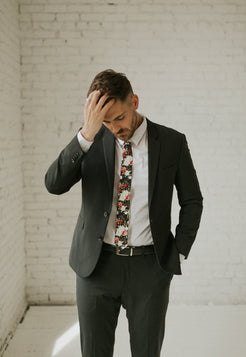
x=123, y=250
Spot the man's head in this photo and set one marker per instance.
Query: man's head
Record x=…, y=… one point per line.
x=122, y=118
x=115, y=84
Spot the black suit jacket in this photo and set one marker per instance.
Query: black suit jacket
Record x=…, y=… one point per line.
x=170, y=165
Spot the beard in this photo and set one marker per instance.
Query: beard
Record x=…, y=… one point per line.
x=126, y=133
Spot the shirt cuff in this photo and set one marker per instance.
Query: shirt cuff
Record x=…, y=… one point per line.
x=85, y=144
x=181, y=258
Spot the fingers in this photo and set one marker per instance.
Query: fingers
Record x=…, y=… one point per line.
x=93, y=102
x=107, y=106
x=93, y=96
x=102, y=100
x=94, y=113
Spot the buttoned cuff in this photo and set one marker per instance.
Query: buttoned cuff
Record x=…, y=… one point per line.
x=85, y=144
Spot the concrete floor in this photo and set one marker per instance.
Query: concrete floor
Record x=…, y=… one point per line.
x=191, y=331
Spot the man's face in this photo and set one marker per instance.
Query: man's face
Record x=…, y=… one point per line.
x=122, y=119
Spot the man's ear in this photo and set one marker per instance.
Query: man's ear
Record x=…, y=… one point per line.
x=135, y=101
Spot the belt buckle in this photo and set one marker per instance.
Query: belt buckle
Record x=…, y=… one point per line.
x=118, y=252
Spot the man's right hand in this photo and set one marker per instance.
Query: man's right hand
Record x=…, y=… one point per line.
x=94, y=114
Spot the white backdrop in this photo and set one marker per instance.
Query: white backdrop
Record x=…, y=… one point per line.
x=186, y=61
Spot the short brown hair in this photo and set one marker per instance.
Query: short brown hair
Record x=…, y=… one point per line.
x=115, y=84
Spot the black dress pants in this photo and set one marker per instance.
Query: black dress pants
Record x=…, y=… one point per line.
x=141, y=287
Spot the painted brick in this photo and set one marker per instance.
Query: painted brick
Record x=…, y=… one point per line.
x=186, y=62
x=12, y=254
x=192, y=56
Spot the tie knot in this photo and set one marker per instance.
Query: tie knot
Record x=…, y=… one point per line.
x=127, y=149
x=127, y=145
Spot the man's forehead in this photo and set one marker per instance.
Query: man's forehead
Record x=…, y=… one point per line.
x=117, y=109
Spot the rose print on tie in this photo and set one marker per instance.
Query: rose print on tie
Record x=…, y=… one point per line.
x=123, y=205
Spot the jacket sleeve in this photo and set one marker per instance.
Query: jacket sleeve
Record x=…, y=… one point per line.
x=65, y=171
x=190, y=201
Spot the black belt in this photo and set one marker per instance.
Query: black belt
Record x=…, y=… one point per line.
x=129, y=250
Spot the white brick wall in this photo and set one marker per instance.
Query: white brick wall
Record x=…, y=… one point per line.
x=12, y=257
x=186, y=60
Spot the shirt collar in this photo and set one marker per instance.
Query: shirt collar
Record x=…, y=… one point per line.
x=138, y=134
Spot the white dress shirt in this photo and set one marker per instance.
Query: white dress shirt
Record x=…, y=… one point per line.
x=139, y=232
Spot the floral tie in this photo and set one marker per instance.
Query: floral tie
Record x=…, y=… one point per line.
x=123, y=206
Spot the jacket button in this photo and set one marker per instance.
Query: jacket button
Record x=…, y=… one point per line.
x=106, y=214
x=100, y=238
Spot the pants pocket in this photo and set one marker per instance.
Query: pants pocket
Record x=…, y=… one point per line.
x=158, y=269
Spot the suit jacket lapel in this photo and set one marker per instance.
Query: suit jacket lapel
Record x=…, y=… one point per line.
x=109, y=155
x=153, y=156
